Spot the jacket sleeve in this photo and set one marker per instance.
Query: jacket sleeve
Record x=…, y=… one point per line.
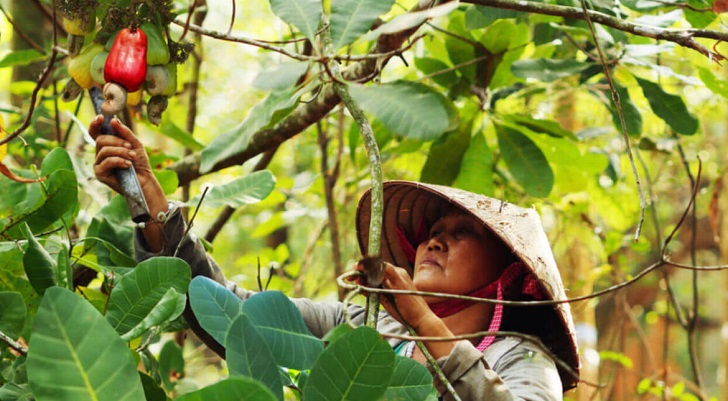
x=510, y=369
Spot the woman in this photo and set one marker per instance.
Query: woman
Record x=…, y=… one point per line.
x=435, y=239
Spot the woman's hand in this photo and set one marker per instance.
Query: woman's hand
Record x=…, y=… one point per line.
x=412, y=308
x=119, y=152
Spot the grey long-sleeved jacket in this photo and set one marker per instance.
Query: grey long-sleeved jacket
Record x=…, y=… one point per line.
x=510, y=369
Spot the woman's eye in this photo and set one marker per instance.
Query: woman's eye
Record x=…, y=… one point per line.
x=462, y=231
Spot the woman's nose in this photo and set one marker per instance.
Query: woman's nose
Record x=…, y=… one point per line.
x=436, y=243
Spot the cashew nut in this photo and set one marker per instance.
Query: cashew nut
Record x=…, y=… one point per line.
x=115, y=95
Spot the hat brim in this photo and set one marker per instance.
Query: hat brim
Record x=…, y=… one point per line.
x=408, y=204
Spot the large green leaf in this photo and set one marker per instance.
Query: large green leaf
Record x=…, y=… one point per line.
x=265, y=114
x=57, y=159
x=12, y=313
x=214, y=306
x=303, y=14
x=669, y=107
x=445, y=157
x=357, y=366
x=476, y=168
x=525, y=160
x=40, y=267
x=411, y=381
x=548, y=70
x=61, y=195
x=233, y=388
x=246, y=190
x=248, y=355
x=142, y=298
x=281, y=324
x=410, y=109
x=75, y=355
x=352, y=18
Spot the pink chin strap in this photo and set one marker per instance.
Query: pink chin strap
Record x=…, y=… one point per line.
x=512, y=273
x=449, y=307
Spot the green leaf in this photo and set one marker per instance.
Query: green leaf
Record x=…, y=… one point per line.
x=460, y=52
x=410, y=109
x=64, y=271
x=246, y=190
x=168, y=180
x=171, y=364
x=68, y=341
x=445, y=157
x=716, y=85
x=698, y=17
x=411, y=381
x=476, y=168
x=547, y=70
x=61, y=195
x=20, y=58
x=525, y=160
x=248, y=355
x=142, y=298
x=171, y=130
x=548, y=127
x=438, y=71
x=12, y=313
x=233, y=388
x=152, y=392
x=40, y=267
x=280, y=322
x=356, y=366
x=112, y=225
x=669, y=107
x=57, y=159
x=352, y=18
x=631, y=113
x=303, y=14
x=282, y=76
x=265, y=114
x=215, y=306
x=14, y=392
x=411, y=19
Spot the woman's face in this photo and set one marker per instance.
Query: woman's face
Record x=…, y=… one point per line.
x=459, y=256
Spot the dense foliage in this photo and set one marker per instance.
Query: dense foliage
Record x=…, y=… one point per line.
x=608, y=117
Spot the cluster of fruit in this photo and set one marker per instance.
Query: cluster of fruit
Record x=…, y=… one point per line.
x=132, y=61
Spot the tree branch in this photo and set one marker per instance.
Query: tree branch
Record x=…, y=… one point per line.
x=683, y=37
x=188, y=168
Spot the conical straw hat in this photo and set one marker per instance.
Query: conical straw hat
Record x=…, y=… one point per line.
x=408, y=204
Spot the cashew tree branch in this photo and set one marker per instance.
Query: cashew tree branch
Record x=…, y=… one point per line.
x=683, y=37
x=188, y=168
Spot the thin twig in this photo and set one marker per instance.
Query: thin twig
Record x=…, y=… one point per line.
x=33, y=97
x=13, y=344
x=22, y=34
x=620, y=113
x=693, y=319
